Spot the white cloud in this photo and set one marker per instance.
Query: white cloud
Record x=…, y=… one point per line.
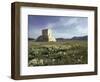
x=82, y=30
x=49, y=25
x=65, y=27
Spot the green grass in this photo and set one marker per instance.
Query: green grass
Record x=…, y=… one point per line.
x=57, y=53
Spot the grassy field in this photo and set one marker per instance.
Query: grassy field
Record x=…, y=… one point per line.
x=57, y=53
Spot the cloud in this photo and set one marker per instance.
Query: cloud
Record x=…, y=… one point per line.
x=65, y=27
x=71, y=26
x=50, y=25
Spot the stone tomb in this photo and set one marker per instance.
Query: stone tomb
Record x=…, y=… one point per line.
x=46, y=36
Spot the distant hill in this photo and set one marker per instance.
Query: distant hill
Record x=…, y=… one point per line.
x=80, y=38
x=31, y=39
x=66, y=39
x=73, y=38
x=60, y=39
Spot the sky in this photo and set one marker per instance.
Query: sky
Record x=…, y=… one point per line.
x=61, y=26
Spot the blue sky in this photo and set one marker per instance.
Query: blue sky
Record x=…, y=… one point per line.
x=62, y=26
